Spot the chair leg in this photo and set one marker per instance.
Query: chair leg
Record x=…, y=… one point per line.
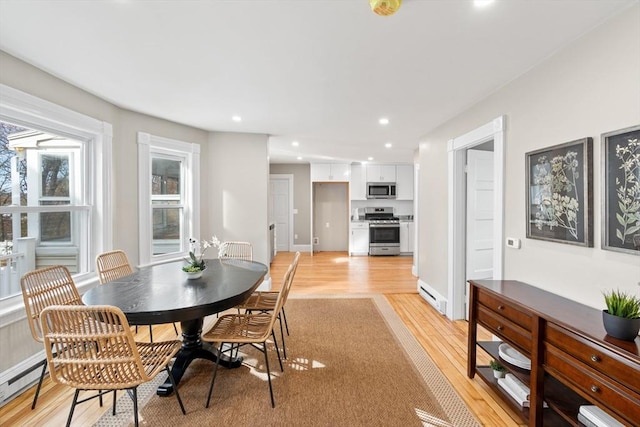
x=175, y=388
x=150, y=333
x=284, y=346
x=286, y=324
x=266, y=362
x=73, y=407
x=175, y=328
x=135, y=406
x=275, y=343
x=215, y=372
x=35, y=396
x=113, y=412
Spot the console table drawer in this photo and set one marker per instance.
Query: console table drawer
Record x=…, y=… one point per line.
x=596, y=356
x=592, y=384
x=506, y=329
x=522, y=318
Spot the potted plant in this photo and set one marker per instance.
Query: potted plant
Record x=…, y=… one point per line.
x=499, y=371
x=621, y=319
x=196, y=264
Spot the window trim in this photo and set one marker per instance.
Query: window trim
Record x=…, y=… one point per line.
x=190, y=153
x=27, y=110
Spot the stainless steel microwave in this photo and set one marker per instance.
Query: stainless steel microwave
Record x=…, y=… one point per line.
x=381, y=190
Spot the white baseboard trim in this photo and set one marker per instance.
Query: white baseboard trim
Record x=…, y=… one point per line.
x=301, y=248
x=432, y=297
x=414, y=270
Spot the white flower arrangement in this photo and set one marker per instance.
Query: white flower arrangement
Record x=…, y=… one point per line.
x=196, y=262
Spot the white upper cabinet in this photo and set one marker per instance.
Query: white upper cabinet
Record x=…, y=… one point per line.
x=381, y=173
x=358, y=184
x=404, y=182
x=330, y=172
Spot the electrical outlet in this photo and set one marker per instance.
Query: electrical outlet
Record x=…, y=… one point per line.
x=316, y=241
x=295, y=236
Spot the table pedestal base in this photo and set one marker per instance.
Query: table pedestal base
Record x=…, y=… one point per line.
x=194, y=348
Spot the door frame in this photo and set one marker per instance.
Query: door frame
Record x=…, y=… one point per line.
x=289, y=178
x=494, y=130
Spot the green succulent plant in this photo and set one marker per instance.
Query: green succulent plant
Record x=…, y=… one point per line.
x=622, y=304
x=496, y=366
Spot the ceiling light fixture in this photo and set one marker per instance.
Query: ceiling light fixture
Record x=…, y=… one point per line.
x=384, y=121
x=295, y=143
x=482, y=3
x=385, y=7
x=299, y=158
x=370, y=158
x=236, y=118
x=388, y=145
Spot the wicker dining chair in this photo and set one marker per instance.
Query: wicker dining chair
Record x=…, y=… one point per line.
x=264, y=301
x=247, y=329
x=236, y=250
x=95, y=350
x=114, y=265
x=43, y=288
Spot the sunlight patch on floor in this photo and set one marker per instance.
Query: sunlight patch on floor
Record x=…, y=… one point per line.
x=301, y=364
x=429, y=420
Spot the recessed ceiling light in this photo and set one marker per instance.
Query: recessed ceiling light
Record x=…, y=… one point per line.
x=384, y=121
x=295, y=143
x=369, y=158
x=236, y=118
x=388, y=145
x=482, y=3
x=299, y=158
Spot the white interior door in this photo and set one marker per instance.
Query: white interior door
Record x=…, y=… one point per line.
x=480, y=240
x=281, y=203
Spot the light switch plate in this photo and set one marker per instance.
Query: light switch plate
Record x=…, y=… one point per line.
x=512, y=242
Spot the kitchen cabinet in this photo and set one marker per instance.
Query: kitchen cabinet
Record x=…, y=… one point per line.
x=406, y=237
x=324, y=172
x=573, y=360
x=404, y=182
x=359, y=239
x=358, y=183
x=381, y=173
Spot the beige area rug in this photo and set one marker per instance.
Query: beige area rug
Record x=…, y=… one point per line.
x=351, y=362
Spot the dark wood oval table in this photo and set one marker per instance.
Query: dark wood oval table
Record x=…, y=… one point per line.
x=163, y=294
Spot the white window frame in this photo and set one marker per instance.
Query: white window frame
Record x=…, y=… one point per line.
x=26, y=110
x=150, y=146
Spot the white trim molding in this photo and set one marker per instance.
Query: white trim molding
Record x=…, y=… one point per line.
x=492, y=131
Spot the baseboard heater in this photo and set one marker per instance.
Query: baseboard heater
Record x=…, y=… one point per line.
x=432, y=297
x=20, y=377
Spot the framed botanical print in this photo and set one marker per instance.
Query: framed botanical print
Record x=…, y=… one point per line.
x=559, y=193
x=621, y=190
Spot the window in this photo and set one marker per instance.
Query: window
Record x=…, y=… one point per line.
x=53, y=184
x=168, y=208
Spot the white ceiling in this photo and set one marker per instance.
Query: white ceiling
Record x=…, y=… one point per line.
x=320, y=72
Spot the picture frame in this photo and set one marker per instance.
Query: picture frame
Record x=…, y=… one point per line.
x=559, y=189
x=621, y=190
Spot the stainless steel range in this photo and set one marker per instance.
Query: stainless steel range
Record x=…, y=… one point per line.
x=384, y=231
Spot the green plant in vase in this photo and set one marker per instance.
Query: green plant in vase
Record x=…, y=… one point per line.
x=499, y=371
x=197, y=250
x=621, y=319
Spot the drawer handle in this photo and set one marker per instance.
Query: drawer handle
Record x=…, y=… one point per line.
x=595, y=358
x=500, y=327
x=595, y=389
x=501, y=307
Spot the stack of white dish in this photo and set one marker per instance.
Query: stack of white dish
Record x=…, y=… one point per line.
x=516, y=389
x=510, y=355
x=592, y=416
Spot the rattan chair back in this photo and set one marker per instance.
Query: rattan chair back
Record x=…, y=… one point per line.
x=46, y=287
x=236, y=250
x=113, y=265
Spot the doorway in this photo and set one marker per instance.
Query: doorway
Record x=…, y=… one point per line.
x=281, y=209
x=330, y=216
x=457, y=234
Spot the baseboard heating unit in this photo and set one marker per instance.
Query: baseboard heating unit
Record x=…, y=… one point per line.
x=432, y=297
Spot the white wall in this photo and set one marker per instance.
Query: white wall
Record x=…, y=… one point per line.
x=590, y=87
x=235, y=173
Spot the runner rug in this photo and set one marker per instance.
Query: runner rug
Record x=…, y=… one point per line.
x=351, y=361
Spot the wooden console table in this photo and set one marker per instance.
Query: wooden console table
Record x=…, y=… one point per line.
x=573, y=360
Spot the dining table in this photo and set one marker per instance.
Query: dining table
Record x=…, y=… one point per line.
x=162, y=293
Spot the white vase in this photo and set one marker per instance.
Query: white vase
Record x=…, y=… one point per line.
x=191, y=275
x=498, y=374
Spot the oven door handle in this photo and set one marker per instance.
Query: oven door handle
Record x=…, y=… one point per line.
x=384, y=225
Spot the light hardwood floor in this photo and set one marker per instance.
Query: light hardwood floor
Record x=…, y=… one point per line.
x=323, y=273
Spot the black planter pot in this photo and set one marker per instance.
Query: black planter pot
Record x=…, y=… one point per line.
x=620, y=327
